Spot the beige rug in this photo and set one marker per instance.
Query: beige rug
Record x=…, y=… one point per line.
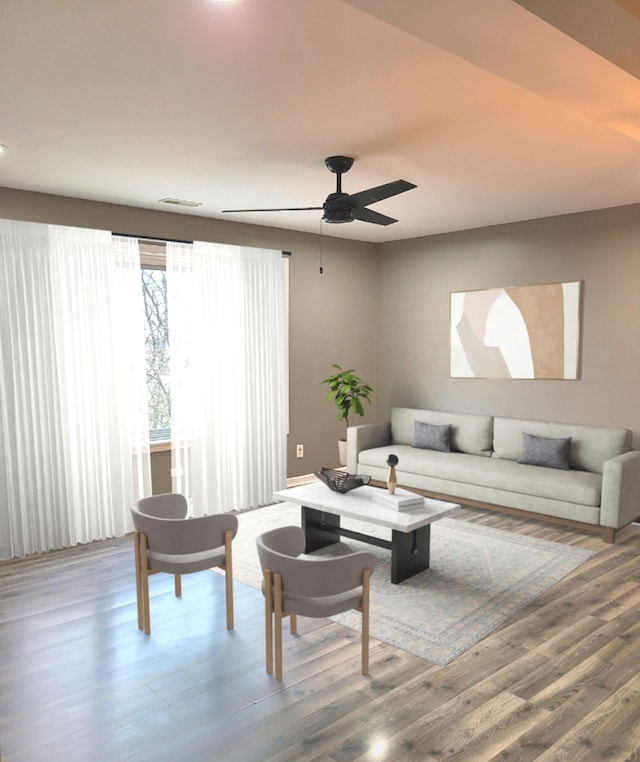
x=479, y=578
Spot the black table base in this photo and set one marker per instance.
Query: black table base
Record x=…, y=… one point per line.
x=409, y=550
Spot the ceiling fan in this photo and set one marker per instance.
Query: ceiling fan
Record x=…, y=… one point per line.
x=345, y=207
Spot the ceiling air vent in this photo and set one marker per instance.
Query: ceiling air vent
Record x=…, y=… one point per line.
x=180, y=202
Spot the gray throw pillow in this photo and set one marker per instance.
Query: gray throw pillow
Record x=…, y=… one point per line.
x=545, y=451
x=429, y=436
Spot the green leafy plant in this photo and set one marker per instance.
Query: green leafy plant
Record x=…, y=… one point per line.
x=348, y=392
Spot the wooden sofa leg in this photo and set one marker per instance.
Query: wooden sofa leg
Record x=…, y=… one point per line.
x=609, y=535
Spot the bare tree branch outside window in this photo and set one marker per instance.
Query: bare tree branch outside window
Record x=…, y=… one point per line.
x=154, y=289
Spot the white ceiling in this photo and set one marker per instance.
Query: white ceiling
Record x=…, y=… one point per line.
x=496, y=114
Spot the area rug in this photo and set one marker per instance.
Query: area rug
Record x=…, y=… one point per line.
x=479, y=578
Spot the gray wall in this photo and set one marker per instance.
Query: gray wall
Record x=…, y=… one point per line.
x=600, y=248
x=332, y=316
x=384, y=310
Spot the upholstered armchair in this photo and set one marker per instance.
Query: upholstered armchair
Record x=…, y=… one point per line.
x=309, y=586
x=166, y=540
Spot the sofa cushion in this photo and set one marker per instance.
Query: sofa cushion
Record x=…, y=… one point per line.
x=459, y=492
x=545, y=451
x=591, y=446
x=578, y=487
x=431, y=436
x=471, y=434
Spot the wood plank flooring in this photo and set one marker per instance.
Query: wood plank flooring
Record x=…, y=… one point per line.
x=78, y=681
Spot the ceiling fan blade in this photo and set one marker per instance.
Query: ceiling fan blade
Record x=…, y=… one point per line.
x=380, y=192
x=285, y=209
x=368, y=215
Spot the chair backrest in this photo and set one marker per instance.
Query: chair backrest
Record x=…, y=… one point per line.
x=169, y=505
x=179, y=535
x=279, y=551
x=283, y=541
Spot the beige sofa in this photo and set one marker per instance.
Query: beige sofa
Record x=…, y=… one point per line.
x=597, y=489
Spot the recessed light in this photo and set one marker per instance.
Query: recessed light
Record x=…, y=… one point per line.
x=3, y=148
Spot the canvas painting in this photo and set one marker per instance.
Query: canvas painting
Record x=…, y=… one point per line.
x=516, y=332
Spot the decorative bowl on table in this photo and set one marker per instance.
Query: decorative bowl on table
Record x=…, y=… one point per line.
x=339, y=481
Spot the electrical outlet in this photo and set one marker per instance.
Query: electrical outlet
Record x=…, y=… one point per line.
x=299, y=451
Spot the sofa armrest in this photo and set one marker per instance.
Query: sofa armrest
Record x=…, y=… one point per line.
x=620, y=490
x=365, y=437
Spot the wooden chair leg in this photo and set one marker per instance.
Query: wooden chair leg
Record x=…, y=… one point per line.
x=144, y=581
x=228, y=578
x=268, y=619
x=136, y=547
x=365, y=621
x=177, y=583
x=293, y=624
x=277, y=616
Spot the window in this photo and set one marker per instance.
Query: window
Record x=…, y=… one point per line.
x=156, y=338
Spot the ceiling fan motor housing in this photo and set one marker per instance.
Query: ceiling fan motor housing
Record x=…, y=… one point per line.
x=337, y=209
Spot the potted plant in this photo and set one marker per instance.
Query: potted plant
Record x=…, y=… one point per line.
x=348, y=392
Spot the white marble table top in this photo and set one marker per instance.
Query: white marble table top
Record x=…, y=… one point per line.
x=359, y=504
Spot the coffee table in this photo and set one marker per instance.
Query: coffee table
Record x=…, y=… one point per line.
x=410, y=530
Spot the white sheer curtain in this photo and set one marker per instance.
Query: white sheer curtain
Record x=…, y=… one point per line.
x=68, y=347
x=227, y=329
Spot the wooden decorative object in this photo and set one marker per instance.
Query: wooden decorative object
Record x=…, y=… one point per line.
x=392, y=481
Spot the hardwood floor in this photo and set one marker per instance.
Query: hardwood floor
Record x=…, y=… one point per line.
x=78, y=681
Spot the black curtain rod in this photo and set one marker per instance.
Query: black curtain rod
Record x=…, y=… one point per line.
x=151, y=238
x=169, y=240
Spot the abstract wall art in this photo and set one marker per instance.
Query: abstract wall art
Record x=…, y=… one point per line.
x=516, y=332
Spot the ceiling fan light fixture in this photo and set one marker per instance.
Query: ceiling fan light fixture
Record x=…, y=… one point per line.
x=336, y=215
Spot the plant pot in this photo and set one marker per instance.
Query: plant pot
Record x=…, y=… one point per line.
x=342, y=451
